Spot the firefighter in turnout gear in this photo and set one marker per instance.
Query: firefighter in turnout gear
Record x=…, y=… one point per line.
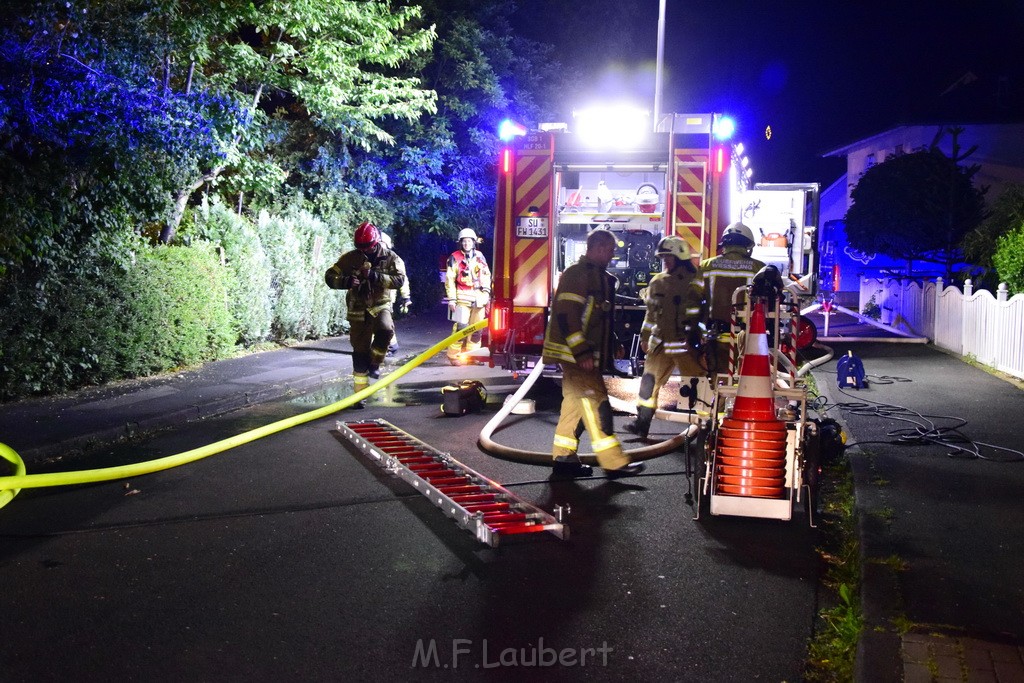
x=405, y=291
x=671, y=330
x=467, y=285
x=723, y=274
x=577, y=338
x=369, y=273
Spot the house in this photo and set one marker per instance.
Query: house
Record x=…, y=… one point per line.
x=999, y=152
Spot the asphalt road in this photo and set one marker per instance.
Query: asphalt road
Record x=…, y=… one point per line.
x=295, y=558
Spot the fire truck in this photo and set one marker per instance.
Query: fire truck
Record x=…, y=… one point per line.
x=555, y=186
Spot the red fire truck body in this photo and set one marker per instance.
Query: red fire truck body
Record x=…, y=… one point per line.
x=554, y=188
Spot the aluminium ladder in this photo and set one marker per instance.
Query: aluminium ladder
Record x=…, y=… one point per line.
x=476, y=503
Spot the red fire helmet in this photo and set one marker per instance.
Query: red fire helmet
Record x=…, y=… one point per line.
x=367, y=236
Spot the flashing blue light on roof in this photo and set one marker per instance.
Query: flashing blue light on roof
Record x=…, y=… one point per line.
x=723, y=127
x=509, y=129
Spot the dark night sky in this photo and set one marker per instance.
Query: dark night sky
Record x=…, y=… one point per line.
x=821, y=74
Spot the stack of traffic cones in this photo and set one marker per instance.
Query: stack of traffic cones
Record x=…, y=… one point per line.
x=751, y=449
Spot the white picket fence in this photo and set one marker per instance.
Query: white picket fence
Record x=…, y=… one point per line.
x=988, y=328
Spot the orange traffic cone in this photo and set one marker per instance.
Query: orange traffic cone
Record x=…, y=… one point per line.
x=751, y=443
x=754, y=397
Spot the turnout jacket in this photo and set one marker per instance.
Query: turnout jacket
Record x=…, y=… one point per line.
x=467, y=278
x=581, y=314
x=378, y=273
x=722, y=275
x=675, y=306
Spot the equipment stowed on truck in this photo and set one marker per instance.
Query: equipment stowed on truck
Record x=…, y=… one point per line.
x=685, y=179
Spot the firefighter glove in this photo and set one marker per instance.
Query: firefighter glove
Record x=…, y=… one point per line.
x=404, y=307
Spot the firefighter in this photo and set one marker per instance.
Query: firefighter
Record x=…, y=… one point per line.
x=577, y=337
x=467, y=285
x=671, y=330
x=405, y=292
x=723, y=274
x=369, y=273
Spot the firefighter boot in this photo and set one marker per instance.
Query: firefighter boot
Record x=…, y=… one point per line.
x=570, y=466
x=630, y=470
x=642, y=424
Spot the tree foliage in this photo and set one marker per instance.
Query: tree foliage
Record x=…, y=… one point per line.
x=258, y=133
x=915, y=207
x=1007, y=213
x=1009, y=258
x=440, y=175
x=91, y=144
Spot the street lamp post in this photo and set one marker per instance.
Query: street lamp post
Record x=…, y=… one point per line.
x=661, y=59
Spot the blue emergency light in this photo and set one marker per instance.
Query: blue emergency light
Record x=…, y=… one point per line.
x=509, y=129
x=723, y=127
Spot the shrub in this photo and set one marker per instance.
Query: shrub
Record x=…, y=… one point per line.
x=1009, y=259
x=248, y=266
x=872, y=309
x=107, y=316
x=301, y=248
x=178, y=298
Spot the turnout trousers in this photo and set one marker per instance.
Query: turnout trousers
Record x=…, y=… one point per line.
x=585, y=398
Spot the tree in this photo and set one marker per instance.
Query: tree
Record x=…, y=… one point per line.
x=1007, y=214
x=330, y=62
x=440, y=175
x=916, y=207
x=91, y=145
x=1008, y=258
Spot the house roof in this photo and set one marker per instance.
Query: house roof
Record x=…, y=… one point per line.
x=857, y=144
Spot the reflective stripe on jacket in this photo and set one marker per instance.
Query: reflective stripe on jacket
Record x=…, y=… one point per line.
x=723, y=274
x=675, y=306
x=466, y=276
x=581, y=314
x=372, y=295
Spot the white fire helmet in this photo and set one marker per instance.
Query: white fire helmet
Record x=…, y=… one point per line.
x=738, y=234
x=647, y=198
x=468, y=232
x=674, y=246
x=386, y=240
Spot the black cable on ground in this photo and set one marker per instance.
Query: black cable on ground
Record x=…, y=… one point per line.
x=924, y=431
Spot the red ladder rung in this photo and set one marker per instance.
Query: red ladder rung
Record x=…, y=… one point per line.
x=450, y=490
x=504, y=517
x=487, y=507
x=475, y=498
x=504, y=529
x=451, y=481
x=431, y=467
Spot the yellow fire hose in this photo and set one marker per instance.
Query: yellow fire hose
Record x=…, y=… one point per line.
x=11, y=485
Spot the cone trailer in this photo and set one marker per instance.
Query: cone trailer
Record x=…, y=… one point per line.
x=762, y=454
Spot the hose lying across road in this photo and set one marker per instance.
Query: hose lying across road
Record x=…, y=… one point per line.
x=11, y=485
x=488, y=445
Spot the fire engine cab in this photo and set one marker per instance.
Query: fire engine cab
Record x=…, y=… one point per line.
x=556, y=185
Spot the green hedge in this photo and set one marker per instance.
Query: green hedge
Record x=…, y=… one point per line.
x=249, y=269
x=1009, y=259
x=126, y=308
x=101, y=320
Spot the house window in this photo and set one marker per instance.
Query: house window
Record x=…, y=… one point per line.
x=870, y=161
